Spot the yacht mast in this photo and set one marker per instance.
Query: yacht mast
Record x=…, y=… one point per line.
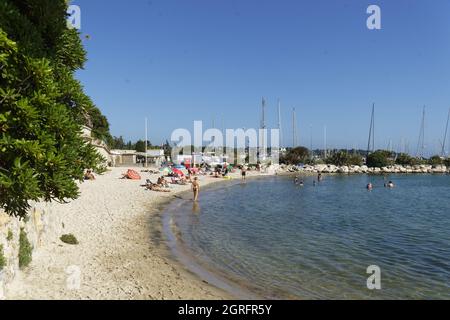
x=371, y=143
x=421, y=142
x=445, y=135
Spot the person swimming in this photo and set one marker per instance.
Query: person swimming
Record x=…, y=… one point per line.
x=301, y=183
x=369, y=186
x=390, y=185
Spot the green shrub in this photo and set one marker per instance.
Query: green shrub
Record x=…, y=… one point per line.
x=2, y=258
x=296, y=156
x=379, y=159
x=10, y=235
x=404, y=159
x=43, y=106
x=447, y=162
x=25, y=250
x=436, y=161
x=343, y=158
x=69, y=239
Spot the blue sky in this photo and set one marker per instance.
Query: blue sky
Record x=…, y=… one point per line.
x=179, y=61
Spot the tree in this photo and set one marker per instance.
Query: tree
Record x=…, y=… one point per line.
x=42, y=106
x=339, y=158
x=379, y=159
x=436, y=161
x=296, y=156
x=447, y=162
x=117, y=143
x=355, y=160
x=404, y=159
x=167, y=149
x=140, y=146
x=343, y=158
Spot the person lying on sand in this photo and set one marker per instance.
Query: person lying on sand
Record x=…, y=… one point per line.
x=162, y=182
x=157, y=188
x=154, y=187
x=89, y=175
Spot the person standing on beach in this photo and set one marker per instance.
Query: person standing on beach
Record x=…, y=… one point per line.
x=195, y=188
x=244, y=173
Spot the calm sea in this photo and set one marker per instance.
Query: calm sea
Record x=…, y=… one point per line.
x=317, y=241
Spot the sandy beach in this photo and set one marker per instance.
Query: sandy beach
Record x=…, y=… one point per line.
x=121, y=253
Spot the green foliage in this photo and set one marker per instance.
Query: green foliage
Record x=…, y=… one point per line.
x=42, y=106
x=69, y=239
x=379, y=159
x=343, y=158
x=140, y=146
x=2, y=258
x=25, y=250
x=436, y=161
x=447, y=162
x=10, y=235
x=406, y=160
x=296, y=156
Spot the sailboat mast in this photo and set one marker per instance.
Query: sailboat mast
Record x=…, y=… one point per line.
x=263, y=127
x=421, y=142
x=445, y=135
x=279, y=124
x=294, y=129
x=371, y=143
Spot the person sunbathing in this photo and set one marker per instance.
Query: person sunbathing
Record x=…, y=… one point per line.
x=89, y=175
x=155, y=187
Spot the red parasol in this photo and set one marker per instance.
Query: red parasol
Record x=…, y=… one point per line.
x=178, y=172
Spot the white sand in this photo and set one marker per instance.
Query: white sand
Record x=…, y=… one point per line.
x=122, y=253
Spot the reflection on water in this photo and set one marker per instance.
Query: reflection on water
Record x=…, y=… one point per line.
x=317, y=241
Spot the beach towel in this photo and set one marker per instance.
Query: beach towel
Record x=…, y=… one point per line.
x=133, y=175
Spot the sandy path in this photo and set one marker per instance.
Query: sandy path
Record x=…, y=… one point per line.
x=121, y=254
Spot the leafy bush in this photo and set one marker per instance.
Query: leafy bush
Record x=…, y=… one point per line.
x=69, y=239
x=343, y=158
x=25, y=250
x=436, y=161
x=379, y=159
x=404, y=159
x=296, y=156
x=43, y=106
x=447, y=162
x=2, y=258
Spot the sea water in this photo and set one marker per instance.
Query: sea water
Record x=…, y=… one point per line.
x=281, y=240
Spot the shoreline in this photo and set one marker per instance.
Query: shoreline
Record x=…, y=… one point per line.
x=182, y=254
x=122, y=253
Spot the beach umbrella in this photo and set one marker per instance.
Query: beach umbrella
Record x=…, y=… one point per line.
x=178, y=172
x=166, y=170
